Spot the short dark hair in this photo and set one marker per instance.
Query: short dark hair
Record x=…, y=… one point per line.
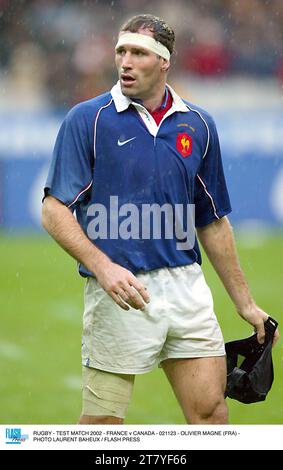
x=162, y=32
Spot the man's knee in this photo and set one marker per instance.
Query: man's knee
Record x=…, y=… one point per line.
x=217, y=413
x=106, y=396
x=213, y=411
x=87, y=419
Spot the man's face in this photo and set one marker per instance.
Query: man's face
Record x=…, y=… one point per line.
x=139, y=70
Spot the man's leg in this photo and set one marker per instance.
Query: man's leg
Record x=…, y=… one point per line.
x=87, y=419
x=199, y=385
x=106, y=396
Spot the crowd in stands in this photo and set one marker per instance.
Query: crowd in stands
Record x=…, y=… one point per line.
x=62, y=51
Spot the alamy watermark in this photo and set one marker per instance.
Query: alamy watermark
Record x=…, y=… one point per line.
x=143, y=221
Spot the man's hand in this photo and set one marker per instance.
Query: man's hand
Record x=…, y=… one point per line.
x=218, y=242
x=121, y=285
x=118, y=282
x=256, y=317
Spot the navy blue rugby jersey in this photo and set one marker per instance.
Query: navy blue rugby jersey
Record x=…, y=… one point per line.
x=111, y=162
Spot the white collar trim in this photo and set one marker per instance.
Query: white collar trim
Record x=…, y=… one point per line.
x=122, y=102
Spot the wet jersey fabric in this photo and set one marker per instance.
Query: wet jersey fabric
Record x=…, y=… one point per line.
x=111, y=155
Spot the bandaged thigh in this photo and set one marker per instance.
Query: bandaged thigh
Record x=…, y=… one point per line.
x=106, y=393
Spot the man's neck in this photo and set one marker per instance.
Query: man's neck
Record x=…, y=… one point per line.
x=153, y=103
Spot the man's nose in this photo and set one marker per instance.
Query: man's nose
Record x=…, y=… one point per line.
x=126, y=61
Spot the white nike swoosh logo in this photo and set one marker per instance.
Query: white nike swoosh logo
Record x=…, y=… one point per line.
x=125, y=141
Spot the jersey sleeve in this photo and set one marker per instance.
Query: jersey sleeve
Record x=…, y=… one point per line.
x=70, y=173
x=211, y=196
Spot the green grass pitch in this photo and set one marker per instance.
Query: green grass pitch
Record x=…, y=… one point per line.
x=41, y=302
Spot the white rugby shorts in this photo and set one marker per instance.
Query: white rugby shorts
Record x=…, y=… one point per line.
x=179, y=322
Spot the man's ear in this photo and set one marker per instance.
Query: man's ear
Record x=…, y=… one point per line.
x=165, y=66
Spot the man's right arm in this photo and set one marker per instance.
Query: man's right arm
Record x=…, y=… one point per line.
x=117, y=281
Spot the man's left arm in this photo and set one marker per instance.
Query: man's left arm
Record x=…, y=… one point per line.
x=218, y=242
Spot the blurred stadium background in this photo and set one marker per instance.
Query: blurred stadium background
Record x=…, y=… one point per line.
x=54, y=53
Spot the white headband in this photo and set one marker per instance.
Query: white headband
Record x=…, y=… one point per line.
x=145, y=41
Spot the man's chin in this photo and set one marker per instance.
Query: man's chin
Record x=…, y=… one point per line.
x=128, y=90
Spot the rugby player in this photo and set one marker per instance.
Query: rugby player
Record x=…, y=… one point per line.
x=140, y=149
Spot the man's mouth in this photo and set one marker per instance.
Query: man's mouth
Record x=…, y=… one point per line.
x=127, y=79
